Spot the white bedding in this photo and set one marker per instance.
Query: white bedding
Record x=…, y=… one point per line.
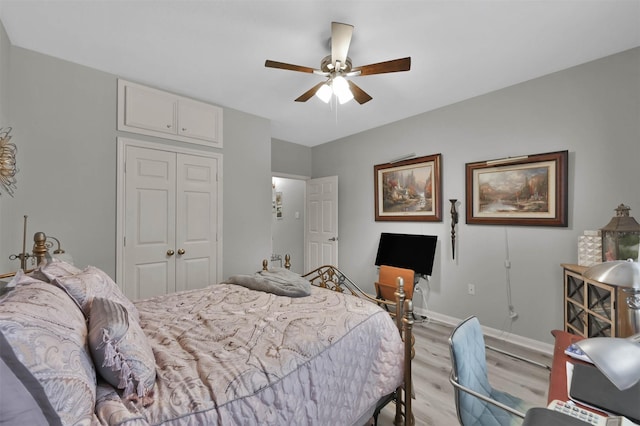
x=228, y=355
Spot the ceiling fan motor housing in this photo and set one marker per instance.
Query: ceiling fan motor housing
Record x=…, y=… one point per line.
x=328, y=67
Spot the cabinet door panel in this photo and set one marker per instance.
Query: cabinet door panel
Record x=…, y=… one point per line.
x=600, y=301
x=574, y=317
x=198, y=120
x=150, y=109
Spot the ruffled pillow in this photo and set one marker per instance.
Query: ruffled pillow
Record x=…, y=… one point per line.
x=48, y=334
x=24, y=400
x=53, y=268
x=20, y=278
x=91, y=283
x=120, y=351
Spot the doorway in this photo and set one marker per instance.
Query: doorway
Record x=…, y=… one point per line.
x=304, y=222
x=287, y=223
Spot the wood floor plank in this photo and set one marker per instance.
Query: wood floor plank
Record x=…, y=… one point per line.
x=434, y=404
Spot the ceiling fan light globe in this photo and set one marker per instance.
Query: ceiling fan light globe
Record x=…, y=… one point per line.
x=324, y=93
x=341, y=89
x=345, y=97
x=340, y=85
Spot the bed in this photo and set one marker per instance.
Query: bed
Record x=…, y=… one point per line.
x=77, y=351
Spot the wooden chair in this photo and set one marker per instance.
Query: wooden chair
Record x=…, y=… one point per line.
x=386, y=284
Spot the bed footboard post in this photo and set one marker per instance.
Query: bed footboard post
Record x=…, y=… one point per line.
x=407, y=326
x=400, y=296
x=404, y=321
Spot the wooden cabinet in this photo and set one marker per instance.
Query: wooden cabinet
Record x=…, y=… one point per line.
x=157, y=113
x=592, y=308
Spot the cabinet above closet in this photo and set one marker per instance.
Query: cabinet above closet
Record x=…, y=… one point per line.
x=154, y=112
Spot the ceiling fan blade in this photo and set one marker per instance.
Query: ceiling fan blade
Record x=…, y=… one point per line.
x=358, y=94
x=340, y=41
x=309, y=93
x=394, y=65
x=283, y=66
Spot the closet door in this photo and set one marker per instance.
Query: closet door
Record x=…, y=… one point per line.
x=150, y=223
x=196, y=221
x=171, y=209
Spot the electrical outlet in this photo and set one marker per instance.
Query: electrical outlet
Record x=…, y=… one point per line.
x=471, y=289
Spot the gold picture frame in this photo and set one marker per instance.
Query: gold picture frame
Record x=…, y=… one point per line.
x=409, y=190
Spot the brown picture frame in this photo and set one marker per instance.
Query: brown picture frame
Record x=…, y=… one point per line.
x=409, y=190
x=526, y=191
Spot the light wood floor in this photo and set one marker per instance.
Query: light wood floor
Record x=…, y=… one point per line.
x=434, y=404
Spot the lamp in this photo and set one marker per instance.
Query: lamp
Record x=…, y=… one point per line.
x=618, y=358
x=341, y=89
x=620, y=237
x=325, y=92
x=336, y=85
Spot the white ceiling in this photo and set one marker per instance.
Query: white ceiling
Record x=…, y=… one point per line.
x=215, y=50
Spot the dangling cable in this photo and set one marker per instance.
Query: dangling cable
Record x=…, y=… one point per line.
x=507, y=266
x=416, y=287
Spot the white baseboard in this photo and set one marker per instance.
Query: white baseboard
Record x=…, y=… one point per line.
x=515, y=339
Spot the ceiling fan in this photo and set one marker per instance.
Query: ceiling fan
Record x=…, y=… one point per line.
x=337, y=66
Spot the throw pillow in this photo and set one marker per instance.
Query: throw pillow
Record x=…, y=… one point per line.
x=120, y=350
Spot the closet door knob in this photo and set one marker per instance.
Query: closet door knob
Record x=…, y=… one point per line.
x=170, y=252
x=181, y=251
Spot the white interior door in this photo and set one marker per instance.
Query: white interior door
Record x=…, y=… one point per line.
x=196, y=221
x=149, y=243
x=321, y=234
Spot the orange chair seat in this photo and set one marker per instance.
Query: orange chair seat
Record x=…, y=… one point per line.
x=386, y=284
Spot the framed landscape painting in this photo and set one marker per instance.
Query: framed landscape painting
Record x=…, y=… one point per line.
x=527, y=190
x=409, y=190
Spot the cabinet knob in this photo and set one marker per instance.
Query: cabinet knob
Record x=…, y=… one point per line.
x=170, y=252
x=181, y=251
x=168, y=126
x=184, y=129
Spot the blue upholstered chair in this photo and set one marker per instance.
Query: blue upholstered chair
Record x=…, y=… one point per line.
x=477, y=403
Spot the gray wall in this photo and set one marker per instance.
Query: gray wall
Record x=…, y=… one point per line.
x=5, y=121
x=247, y=192
x=64, y=119
x=591, y=110
x=290, y=159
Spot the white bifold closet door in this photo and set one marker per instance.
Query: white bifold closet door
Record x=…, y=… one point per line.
x=170, y=222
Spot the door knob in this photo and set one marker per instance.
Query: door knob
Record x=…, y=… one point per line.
x=333, y=239
x=170, y=252
x=181, y=251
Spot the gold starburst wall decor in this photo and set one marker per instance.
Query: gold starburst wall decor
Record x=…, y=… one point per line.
x=8, y=168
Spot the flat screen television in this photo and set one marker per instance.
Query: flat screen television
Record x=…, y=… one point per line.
x=407, y=251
